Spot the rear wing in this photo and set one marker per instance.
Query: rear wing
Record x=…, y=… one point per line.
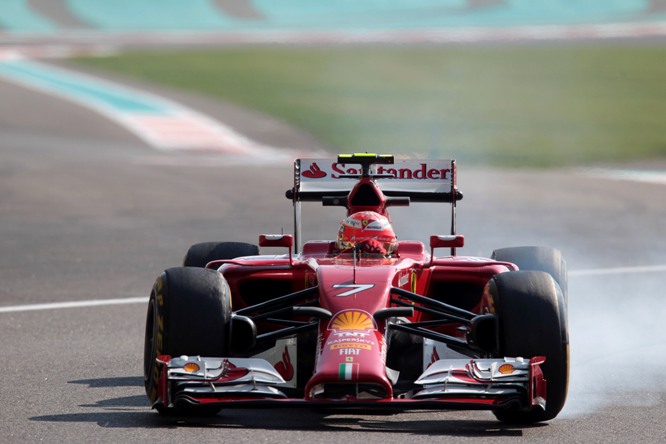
x=321, y=179
x=420, y=180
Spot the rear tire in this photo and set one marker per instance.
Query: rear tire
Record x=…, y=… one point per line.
x=189, y=313
x=532, y=321
x=545, y=259
x=200, y=254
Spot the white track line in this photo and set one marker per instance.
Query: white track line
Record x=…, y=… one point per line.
x=619, y=270
x=73, y=304
x=143, y=300
x=648, y=176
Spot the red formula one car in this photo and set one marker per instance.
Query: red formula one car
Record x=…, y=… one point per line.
x=363, y=320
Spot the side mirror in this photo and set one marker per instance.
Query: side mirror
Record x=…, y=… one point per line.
x=278, y=240
x=451, y=241
x=447, y=241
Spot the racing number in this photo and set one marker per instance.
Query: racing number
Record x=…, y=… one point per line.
x=354, y=288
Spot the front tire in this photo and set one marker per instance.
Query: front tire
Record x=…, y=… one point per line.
x=189, y=313
x=532, y=321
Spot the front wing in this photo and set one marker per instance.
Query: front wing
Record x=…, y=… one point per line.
x=471, y=384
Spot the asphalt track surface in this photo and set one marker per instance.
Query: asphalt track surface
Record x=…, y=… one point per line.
x=88, y=212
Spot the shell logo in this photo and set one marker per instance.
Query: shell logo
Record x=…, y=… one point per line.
x=352, y=320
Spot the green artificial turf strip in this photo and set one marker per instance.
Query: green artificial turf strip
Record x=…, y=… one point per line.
x=544, y=105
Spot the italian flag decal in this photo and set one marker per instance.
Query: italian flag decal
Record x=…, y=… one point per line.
x=347, y=372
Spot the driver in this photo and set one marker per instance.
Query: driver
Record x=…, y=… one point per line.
x=369, y=233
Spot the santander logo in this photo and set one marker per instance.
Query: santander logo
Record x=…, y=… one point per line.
x=403, y=171
x=314, y=172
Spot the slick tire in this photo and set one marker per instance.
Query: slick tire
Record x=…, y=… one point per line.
x=189, y=313
x=200, y=254
x=532, y=321
x=545, y=259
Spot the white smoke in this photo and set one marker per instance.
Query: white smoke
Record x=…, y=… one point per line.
x=618, y=341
